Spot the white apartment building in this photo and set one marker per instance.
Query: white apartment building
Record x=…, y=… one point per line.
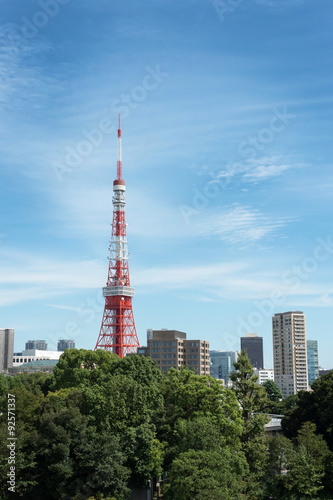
x=264, y=374
x=290, y=352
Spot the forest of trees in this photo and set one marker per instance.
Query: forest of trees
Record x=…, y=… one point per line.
x=100, y=425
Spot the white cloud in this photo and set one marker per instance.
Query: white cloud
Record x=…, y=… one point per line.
x=64, y=307
x=86, y=211
x=185, y=277
x=23, y=294
x=22, y=77
x=258, y=169
x=38, y=278
x=233, y=281
x=320, y=300
x=241, y=224
x=262, y=172
x=280, y=4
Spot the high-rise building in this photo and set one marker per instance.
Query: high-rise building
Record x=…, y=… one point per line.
x=222, y=364
x=313, y=363
x=6, y=349
x=253, y=345
x=171, y=349
x=290, y=352
x=65, y=344
x=41, y=345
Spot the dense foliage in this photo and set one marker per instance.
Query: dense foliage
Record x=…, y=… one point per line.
x=100, y=426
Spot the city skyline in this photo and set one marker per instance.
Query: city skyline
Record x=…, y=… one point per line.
x=226, y=156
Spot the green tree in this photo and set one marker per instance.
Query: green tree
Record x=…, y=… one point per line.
x=288, y=403
x=37, y=383
x=200, y=433
x=323, y=402
x=308, y=465
x=189, y=397
x=73, y=458
x=280, y=454
x=126, y=408
x=316, y=407
x=81, y=367
x=273, y=391
x=28, y=408
x=142, y=369
x=120, y=396
x=274, y=402
x=97, y=497
x=25, y=462
x=301, y=411
x=303, y=479
x=251, y=397
x=7, y=384
x=144, y=453
x=203, y=475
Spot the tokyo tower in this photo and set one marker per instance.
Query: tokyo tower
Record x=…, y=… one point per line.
x=118, y=332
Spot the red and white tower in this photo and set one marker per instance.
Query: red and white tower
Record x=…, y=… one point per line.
x=118, y=332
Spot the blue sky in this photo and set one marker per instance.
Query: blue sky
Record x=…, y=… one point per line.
x=227, y=155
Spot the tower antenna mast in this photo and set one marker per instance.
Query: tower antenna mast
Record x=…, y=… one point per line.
x=118, y=332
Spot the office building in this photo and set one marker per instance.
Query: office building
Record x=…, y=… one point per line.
x=142, y=351
x=41, y=345
x=31, y=355
x=313, y=363
x=254, y=347
x=323, y=371
x=264, y=374
x=222, y=364
x=40, y=365
x=290, y=352
x=171, y=349
x=65, y=344
x=6, y=349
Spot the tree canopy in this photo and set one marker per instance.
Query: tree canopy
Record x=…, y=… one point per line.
x=316, y=407
x=100, y=425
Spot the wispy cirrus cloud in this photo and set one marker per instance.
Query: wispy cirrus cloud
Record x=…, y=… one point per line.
x=263, y=172
x=258, y=169
x=184, y=277
x=38, y=277
x=242, y=225
x=89, y=212
x=232, y=280
x=281, y=3
x=23, y=79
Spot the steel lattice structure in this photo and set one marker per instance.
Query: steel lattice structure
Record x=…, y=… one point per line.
x=118, y=332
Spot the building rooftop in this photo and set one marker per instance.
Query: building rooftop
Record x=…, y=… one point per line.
x=36, y=366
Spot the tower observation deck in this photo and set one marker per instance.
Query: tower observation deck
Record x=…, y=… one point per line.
x=118, y=332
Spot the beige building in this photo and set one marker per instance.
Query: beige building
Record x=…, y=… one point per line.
x=171, y=349
x=290, y=352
